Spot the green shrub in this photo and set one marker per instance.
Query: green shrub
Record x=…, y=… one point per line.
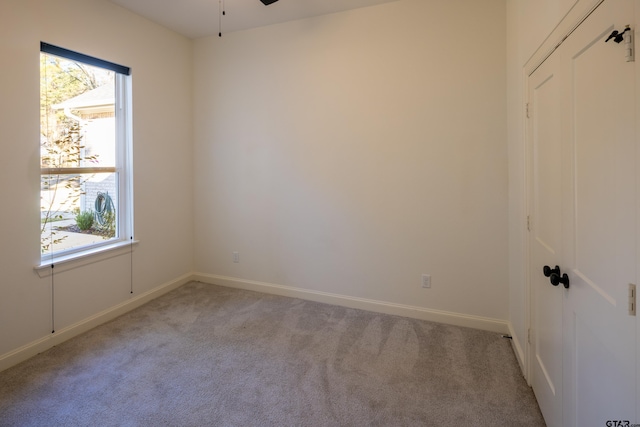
x=84, y=220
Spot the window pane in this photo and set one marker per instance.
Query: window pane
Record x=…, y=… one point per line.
x=78, y=210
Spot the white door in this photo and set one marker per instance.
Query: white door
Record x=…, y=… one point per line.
x=545, y=134
x=600, y=233
x=583, y=207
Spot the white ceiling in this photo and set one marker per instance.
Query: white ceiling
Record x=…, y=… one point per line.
x=199, y=18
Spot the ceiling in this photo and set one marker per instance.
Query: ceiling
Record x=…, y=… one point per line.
x=199, y=18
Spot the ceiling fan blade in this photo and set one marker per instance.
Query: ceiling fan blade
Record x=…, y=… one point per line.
x=268, y=2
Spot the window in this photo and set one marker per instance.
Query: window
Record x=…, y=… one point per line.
x=85, y=154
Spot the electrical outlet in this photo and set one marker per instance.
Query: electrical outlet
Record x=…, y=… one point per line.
x=426, y=280
x=236, y=257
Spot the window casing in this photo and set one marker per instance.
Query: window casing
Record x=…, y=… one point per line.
x=86, y=163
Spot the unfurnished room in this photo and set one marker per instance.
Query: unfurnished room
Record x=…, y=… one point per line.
x=319, y=213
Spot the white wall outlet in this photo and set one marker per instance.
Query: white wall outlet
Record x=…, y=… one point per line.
x=236, y=257
x=426, y=280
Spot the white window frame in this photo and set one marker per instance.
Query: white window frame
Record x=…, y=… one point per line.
x=123, y=242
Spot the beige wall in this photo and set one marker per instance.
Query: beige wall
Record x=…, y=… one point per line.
x=161, y=71
x=350, y=153
x=345, y=154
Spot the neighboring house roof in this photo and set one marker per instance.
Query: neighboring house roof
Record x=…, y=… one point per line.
x=95, y=98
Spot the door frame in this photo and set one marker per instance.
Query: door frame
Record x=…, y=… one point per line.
x=637, y=94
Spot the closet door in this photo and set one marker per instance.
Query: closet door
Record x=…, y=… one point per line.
x=599, y=236
x=546, y=243
x=582, y=170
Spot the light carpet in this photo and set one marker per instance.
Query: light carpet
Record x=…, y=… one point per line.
x=205, y=355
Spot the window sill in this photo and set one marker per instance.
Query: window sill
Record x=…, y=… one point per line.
x=69, y=262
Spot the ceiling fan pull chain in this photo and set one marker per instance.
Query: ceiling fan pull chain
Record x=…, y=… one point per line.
x=220, y=13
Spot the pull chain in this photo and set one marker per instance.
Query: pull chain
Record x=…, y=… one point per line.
x=131, y=261
x=221, y=13
x=53, y=303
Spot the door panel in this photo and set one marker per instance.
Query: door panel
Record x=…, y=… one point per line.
x=546, y=242
x=604, y=164
x=599, y=249
x=547, y=162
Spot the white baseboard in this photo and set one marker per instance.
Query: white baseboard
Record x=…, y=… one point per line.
x=450, y=318
x=29, y=350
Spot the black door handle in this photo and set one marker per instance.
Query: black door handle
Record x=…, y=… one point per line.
x=556, y=280
x=548, y=271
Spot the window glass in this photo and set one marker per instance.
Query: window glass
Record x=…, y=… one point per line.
x=83, y=156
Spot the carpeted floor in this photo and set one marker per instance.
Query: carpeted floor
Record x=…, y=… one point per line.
x=206, y=355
